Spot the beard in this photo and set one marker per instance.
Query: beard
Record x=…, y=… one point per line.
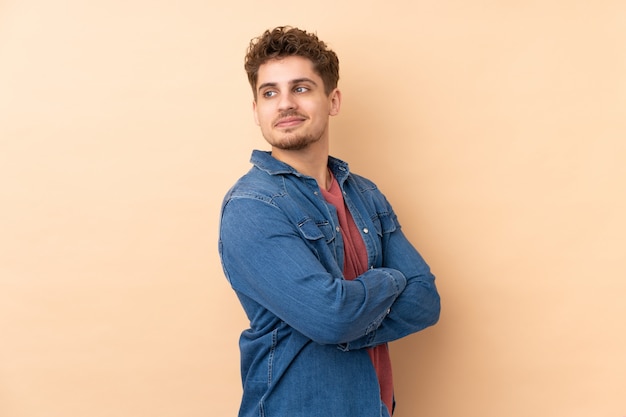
x=293, y=141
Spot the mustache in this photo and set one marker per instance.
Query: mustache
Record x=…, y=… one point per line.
x=288, y=113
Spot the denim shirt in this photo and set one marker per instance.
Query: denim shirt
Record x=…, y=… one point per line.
x=281, y=248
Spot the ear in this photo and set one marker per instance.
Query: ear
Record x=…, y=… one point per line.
x=254, y=112
x=335, y=102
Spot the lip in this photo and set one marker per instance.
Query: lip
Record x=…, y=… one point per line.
x=289, y=122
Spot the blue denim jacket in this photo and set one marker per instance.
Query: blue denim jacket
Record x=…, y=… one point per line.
x=282, y=252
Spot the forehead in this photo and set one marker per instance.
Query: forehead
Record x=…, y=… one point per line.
x=285, y=70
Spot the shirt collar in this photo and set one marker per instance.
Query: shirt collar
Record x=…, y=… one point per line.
x=266, y=162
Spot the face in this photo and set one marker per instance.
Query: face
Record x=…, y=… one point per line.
x=292, y=108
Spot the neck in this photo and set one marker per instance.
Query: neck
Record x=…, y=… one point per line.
x=311, y=161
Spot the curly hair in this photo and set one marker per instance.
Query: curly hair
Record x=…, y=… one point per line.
x=285, y=41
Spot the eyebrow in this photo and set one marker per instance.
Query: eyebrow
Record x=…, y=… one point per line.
x=292, y=82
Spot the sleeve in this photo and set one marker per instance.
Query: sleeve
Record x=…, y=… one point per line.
x=418, y=306
x=266, y=258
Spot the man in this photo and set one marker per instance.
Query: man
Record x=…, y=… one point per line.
x=314, y=252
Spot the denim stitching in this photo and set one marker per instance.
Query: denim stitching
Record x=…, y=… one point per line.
x=270, y=358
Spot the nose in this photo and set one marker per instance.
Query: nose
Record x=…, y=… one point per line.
x=287, y=102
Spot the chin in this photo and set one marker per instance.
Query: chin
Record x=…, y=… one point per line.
x=293, y=143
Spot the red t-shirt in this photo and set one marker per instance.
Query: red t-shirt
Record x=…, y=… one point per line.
x=355, y=263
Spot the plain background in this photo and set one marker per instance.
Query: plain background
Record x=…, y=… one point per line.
x=496, y=128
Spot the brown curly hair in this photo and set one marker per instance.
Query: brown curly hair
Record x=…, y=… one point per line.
x=286, y=41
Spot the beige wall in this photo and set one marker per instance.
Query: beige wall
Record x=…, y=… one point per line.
x=497, y=129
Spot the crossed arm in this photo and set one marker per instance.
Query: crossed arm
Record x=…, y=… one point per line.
x=266, y=258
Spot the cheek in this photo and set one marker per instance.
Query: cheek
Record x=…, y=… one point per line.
x=263, y=113
x=261, y=118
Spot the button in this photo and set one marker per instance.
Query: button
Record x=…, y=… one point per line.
x=365, y=230
x=337, y=229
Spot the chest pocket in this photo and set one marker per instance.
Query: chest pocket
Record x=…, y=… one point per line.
x=385, y=223
x=315, y=231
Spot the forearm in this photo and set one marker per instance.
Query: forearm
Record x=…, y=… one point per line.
x=416, y=308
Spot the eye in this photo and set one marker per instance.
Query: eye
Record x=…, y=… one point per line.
x=301, y=89
x=269, y=94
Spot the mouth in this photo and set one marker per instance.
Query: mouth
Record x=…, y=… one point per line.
x=288, y=122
